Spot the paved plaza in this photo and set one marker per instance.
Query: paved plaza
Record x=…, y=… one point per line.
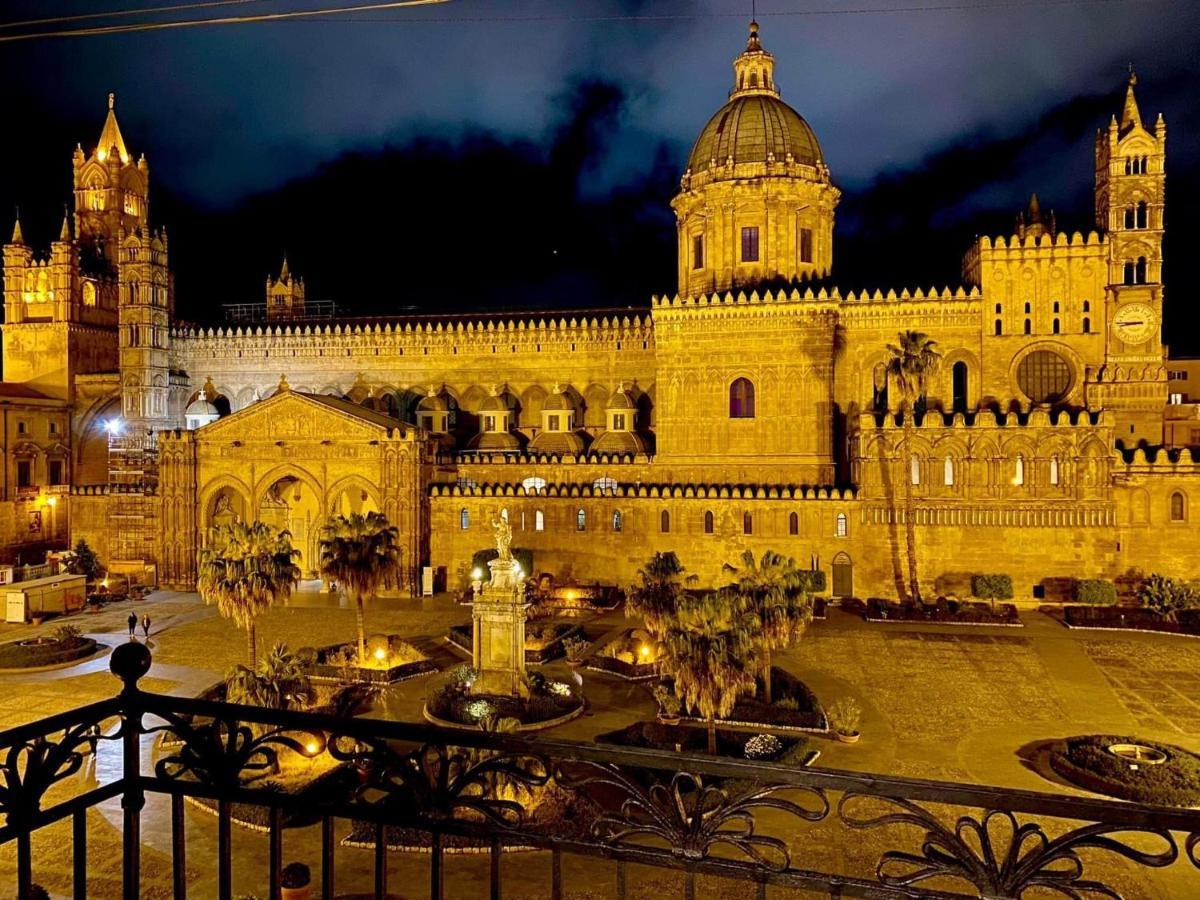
x=952, y=703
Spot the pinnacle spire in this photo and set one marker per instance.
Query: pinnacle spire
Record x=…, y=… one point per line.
x=283, y=272
x=17, y=236
x=65, y=233
x=754, y=68
x=1131, y=116
x=110, y=136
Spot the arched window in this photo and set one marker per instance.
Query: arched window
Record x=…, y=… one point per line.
x=1143, y=215
x=1019, y=471
x=1054, y=470
x=879, y=388
x=1139, y=271
x=958, y=386
x=539, y=521
x=605, y=486
x=1028, y=327
x=741, y=399
x=580, y=520
x=841, y=525
x=617, y=521
x=999, y=328
x=533, y=484
x=794, y=523
x=1130, y=217
x=747, y=523
x=914, y=468
x=948, y=471
x=1087, y=325
x=1055, y=326
x=1128, y=273
x=1178, y=507
x=664, y=522
x=1028, y=307
x=1087, y=306
x=464, y=519
x=708, y=521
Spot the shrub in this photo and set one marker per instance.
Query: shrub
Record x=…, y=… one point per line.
x=481, y=558
x=295, y=875
x=82, y=561
x=813, y=581
x=67, y=636
x=788, y=703
x=668, y=703
x=1167, y=596
x=992, y=587
x=763, y=746
x=1096, y=591
x=1087, y=762
x=575, y=647
x=844, y=715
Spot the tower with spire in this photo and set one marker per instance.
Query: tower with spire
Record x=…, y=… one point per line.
x=111, y=190
x=285, y=295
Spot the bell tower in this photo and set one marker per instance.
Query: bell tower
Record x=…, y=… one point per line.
x=111, y=190
x=1130, y=209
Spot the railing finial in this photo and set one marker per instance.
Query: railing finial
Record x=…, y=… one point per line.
x=129, y=662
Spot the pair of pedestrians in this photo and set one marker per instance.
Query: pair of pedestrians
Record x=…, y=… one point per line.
x=133, y=624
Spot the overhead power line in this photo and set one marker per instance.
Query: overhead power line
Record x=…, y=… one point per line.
x=171, y=24
x=123, y=13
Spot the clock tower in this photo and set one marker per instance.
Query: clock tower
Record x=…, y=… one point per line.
x=1130, y=204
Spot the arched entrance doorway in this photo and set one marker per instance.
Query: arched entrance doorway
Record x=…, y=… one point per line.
x=843, y=576
x=290, y=504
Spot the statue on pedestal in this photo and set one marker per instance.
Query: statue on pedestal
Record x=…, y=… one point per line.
x=503, y=536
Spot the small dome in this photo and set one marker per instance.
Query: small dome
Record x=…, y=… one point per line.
x=494, y=403
x=620, y=400
x=558, y=402
x=496, y=442
x=201, y=407
x=752, y=128
x=564, y=442
x=433, y=403
x=619, y=443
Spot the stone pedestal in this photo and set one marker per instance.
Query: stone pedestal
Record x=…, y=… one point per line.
x=498, y=615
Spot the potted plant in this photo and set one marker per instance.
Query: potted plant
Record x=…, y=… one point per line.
x=668, y=705
x=844, y=716
x=296, y=882
x=575, y=648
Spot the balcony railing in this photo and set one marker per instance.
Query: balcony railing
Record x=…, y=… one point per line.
x=700, y=817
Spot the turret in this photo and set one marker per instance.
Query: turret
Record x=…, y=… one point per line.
x=285, y=295
x=111, y=190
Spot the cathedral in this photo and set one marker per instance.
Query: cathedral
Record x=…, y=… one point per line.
x=752, y=409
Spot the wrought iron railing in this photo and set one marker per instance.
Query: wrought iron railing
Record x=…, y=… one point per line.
x=694, y=816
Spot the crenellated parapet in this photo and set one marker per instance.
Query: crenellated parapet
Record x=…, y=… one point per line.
x=820, y=295
x=651, y=491
x=1033, y=250
x=511, y=460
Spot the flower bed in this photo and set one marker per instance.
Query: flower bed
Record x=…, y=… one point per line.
x=1087, y=762
x=622, y=657
x=944, y=612
x=543, y=642
x=794, y=707
x=785, y=750
x=578, y=599
x=62, y=647
x=330, y=784
x=453, y=702
x=393, y=660
x=1131, y=619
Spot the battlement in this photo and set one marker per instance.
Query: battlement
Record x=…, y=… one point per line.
x=1162, y=460
x=823, y=295
x=1042, y=242
x=653, y=491
x=464, y=460
x=986, y=418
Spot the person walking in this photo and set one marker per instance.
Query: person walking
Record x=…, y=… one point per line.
x=132, y=620
x=146, y=625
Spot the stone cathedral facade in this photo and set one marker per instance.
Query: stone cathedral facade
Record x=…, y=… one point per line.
x=749, y=410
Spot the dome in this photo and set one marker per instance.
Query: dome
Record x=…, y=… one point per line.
x=494, y=403
x=433, y=403
x=620, y=400
x=754, y=128
x=619, y=443
x=558, y=402
x=561, y=442
x=201, y=407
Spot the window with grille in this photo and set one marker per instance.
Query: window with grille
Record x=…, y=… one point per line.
x=708, y=522
x=750, y=243
x=741, y=399
x=1178, y=507
x=1044, y=376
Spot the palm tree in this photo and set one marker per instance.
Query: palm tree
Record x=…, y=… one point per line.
x=910, y=365
x=711, y=650
x=654, y=601
x=778, y=594
x=362, y=554
x=279, y=681
x=246, y=568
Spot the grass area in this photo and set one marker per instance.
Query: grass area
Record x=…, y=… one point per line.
x=1087, y=762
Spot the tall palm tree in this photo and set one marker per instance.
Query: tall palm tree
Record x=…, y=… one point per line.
x=246, y=568
x=662, y=585
x=710, y=649
x=361, y=553
x=911, y=364
x=777, y=592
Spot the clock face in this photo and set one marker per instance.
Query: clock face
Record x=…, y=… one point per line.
x=1135, y=323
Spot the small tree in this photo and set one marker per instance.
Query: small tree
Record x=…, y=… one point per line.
x=361, y=553
x=711, y=649
x=279, y=681
x=82, y=561
x=777, y=593
x=992, y=587
x=1096, y=591
x=246, y=568
x=1167, y=596
x=662, y=586
x=911, y=364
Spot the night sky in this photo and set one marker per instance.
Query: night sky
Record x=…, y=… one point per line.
x=496, y=154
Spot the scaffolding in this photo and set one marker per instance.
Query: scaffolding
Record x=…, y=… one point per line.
x=132, y=504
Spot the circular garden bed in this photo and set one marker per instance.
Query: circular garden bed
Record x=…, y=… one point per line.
x=548, y=703
x=64, y=645
x=1129, y=769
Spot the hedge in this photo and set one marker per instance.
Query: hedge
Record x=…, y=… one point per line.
x=1096, y=591
x=481, y=558
x=992, y=587
x=814, y=580
x=1087, y=762
x=50, y=653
